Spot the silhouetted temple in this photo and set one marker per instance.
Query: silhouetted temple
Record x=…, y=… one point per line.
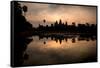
x=60, y=27
x=58, y=31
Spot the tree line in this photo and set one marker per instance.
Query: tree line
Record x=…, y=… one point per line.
x=60, y=27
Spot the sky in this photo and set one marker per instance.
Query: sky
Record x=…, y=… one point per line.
x=37, y=12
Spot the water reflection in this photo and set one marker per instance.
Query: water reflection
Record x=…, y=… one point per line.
x=20, y=45
x=46, y=49
x=59, y=38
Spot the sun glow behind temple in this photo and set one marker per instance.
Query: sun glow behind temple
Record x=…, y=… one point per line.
x=52, y=12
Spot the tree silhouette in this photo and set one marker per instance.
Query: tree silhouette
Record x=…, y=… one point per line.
x=22, y=29
x=44, y=20
x=25, y=9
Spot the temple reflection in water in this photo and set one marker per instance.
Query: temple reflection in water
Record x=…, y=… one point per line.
x=61, y=49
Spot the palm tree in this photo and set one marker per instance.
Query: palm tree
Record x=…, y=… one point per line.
x=25, y=9
x=44, y=21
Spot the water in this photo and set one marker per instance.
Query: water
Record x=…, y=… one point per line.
x=60, y=50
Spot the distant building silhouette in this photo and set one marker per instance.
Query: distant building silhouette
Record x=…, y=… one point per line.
x=60, y=27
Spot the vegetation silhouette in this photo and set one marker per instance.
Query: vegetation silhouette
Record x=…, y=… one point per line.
x=58, y=31
x=22, y=30
x=60, y=27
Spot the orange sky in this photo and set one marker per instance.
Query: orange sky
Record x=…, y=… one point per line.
x=51, y=12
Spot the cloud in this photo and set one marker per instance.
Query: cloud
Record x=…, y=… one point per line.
x=52, y=12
